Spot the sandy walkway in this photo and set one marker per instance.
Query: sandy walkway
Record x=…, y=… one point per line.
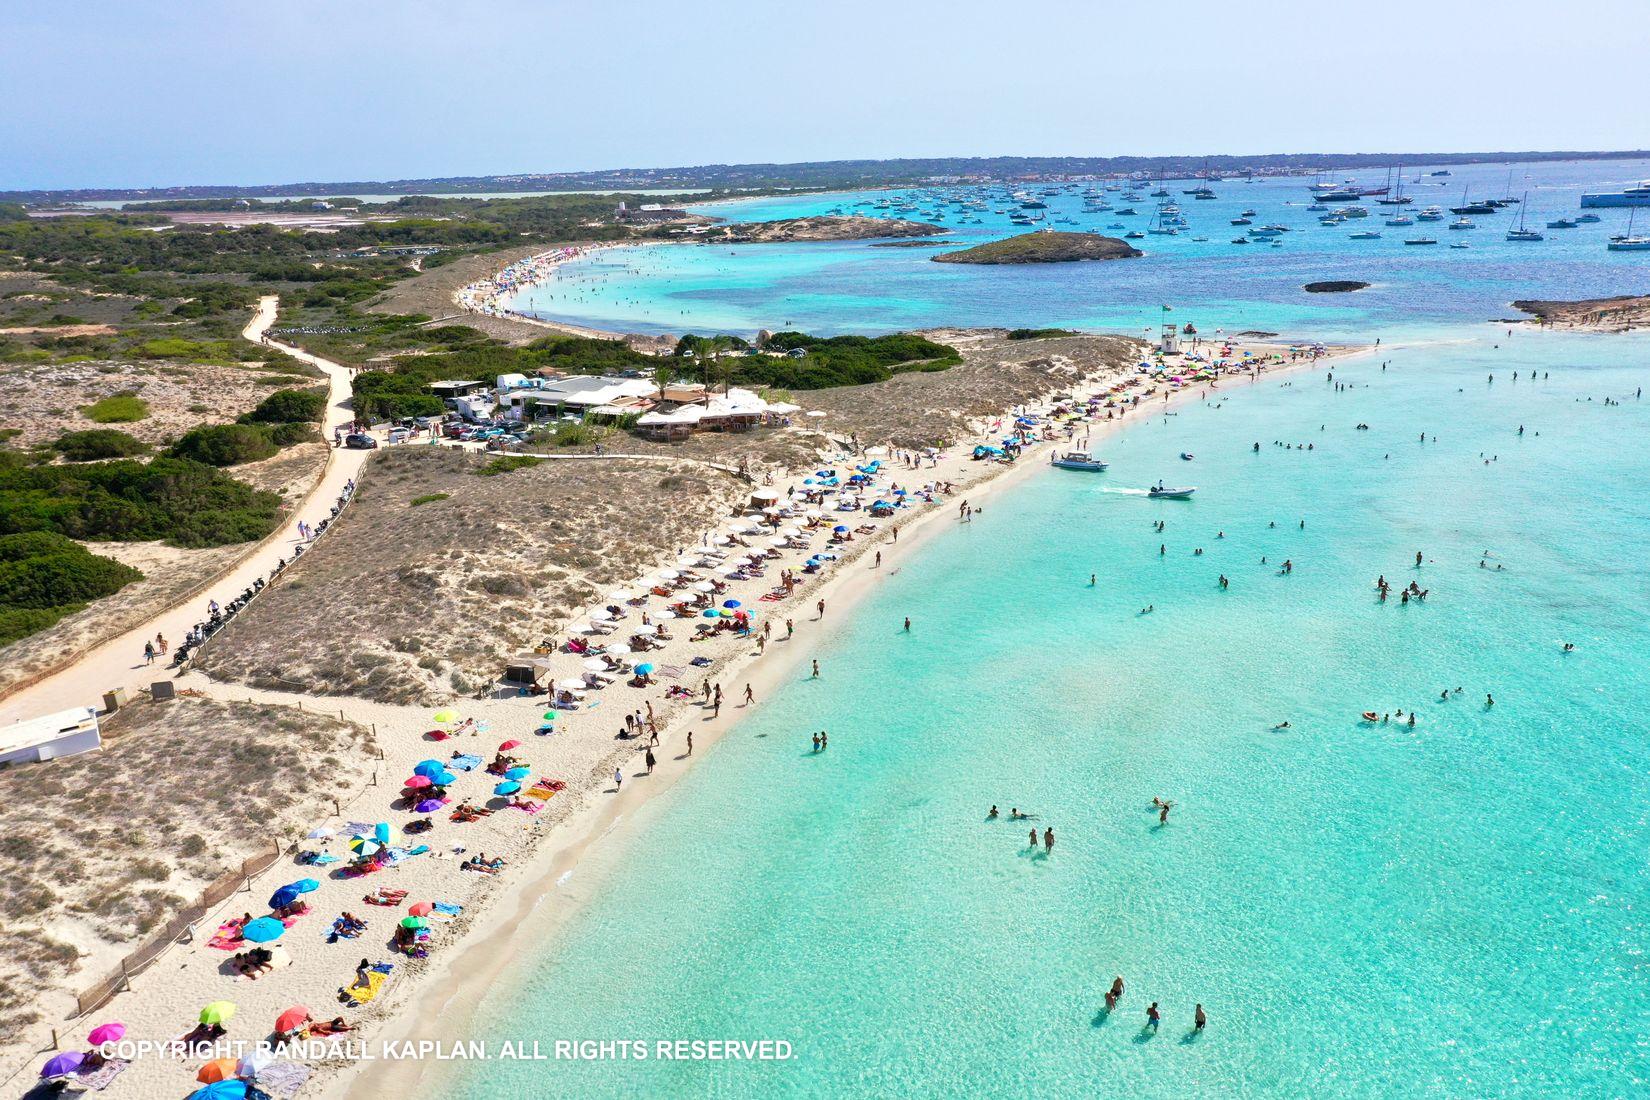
x=119, y=662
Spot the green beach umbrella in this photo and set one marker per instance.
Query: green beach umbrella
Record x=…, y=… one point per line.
x=414, y=922
x=218, y=1012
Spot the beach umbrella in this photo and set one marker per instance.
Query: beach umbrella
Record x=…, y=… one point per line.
x=513, y=743
x=710, y=613
x=507, y=788
x=262, y=930
x=569, y=684
x=381, y=832
x=518, y=773
x=414, y=922
x=292, y=1019
x=320, y=834
x=428, y=806
x=644, y=668
x=306, y=886
x=839, y=528
x=730, y=603
x=417, y=782
x=446, y=716
x=62, y=1065
x=254, y=1062
x=220, y=1090
x=361, y=845
x=430, y=768
x=617, y=649
x=421, y=908
x=595, y=664
x=218, y=1069
x=283, y=897
x=548, y=716
x=111, y=1032
x=219, y=1012
x=446, y=778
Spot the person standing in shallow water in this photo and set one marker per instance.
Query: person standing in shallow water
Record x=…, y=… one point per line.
x=1048, y=839
x=1115, y=994
x=1153, y=1016
x=1034, y=836
x=1199, y=1018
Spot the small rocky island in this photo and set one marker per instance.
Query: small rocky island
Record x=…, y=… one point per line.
x=1335, y=286
x=824, y=227
x=1042, y=248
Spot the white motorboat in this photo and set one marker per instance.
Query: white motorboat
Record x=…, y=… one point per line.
x=1077, y=460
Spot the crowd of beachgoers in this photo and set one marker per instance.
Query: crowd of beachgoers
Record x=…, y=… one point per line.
x=488, y=296
x=466, y=793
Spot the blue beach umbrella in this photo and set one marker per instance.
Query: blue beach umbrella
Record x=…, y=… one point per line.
x=644, y=668
x=444, y=778
x=381, y=832
x=730, y=603
x=518, y=773
x=306, y=885
x=709, y=613
x=284, y=897
x=231, y=1089
x=431, y=768
x=263, y=930
x=507, y=788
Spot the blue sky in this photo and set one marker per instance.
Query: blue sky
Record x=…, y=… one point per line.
x=139, y=93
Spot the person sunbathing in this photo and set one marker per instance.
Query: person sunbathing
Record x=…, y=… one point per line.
x=250, y=964
x=334, y=1026
x=352, y=922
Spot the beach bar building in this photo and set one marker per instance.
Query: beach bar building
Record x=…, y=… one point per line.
x=53, y=735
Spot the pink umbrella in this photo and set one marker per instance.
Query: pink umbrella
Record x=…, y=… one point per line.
x=107, y=1033
x=509, y=745
x=418, y=782
x=420, y=908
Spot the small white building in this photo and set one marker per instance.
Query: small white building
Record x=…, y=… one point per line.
x=51, y=736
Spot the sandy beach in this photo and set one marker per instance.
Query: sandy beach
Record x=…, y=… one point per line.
x=431, y=996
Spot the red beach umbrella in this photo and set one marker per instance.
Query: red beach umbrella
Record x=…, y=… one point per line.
x=421, y=908
x=509, y=745
x=292, y=1019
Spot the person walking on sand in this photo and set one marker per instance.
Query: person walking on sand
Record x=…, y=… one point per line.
x=618, y=780
x=148, y=653
x=815, y=676
x=821, y=607
x=689, y=743
x=650, y=761
x=750, y=696
x=160, y=640
x=790, y=628
x=879, y=559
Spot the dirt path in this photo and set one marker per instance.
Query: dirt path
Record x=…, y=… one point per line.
x=119, y=662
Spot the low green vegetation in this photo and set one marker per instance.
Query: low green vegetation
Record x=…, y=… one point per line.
x=289, y=407
x=173, y=499
x=428, y=498
x=45, y=576
x=96, y=444
x=506, y=463
x=1039, y=333
x=824, y=361
x=119, y=408
x=234, y=444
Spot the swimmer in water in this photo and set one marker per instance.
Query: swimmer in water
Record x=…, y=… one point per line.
x=1282, y=725
x=992, y=816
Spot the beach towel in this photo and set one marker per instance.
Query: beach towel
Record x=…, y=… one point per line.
x=96, y=1080
x=362, y=991
x=447, y=909
x=358, y=828
x=464, y=763
x=283, y=1079
x=227, y=937
x=669, y=672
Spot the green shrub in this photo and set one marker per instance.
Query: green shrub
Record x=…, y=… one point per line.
x=183, y=502
x=289, y=407
x=120, y=408
x=429, y=498
x=98, y=443
x=506, y=463
x=45, y=576
x=287, y=435
x=225, y=444
x=1039, y=333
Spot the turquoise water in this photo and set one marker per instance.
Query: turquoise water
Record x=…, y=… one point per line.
x=859, y=287
x=1450, y=910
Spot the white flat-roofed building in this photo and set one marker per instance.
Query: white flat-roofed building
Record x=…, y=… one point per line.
x=50, y=736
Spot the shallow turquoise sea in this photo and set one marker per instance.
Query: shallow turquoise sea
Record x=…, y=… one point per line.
x=860, y=287
x=1456, y=909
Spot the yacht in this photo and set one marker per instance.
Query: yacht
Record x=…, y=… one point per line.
x=1401, y=219
x=1520, y=233
x=1637, y=195
x=1078, y=460
x=1421, y=240
x=1563, y=223
x=1628, y=242
x=1242, y=221
x=1472, y=207
x=1463, y=223
x=1586, y=219
x=1247, y=214
x=1430, y=214
x=1366, y=235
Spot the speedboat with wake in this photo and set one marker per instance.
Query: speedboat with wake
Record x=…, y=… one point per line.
x=1164, y=493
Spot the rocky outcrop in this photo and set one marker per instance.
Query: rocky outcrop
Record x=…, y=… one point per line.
x=1043, y=248
x=825, y=227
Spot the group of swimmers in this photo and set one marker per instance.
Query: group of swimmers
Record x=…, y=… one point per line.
x=1014, y=814
x=1154, y=1016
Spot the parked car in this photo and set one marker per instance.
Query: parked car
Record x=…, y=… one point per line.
x=400, y=435
x=358, y=441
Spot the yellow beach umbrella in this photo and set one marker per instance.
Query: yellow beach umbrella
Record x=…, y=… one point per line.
x=218, y=1012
